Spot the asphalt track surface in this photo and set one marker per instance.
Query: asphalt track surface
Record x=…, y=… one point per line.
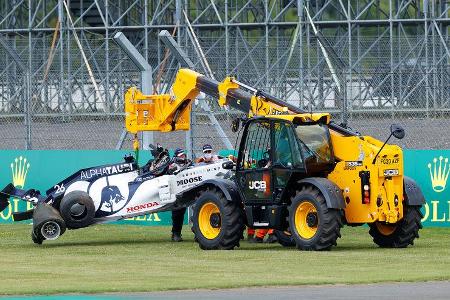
x=410, y=291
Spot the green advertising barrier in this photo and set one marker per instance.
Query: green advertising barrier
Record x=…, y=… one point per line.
x=430, y=169
x=40, y=169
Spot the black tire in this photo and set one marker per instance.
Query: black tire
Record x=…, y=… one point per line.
x=284, y=238
x=51, y=229
x=84, y=216
x=226, y=224
x=45, y=216
x=320, y=227
x=401, y=234
x=37, y=239
x=41, y=231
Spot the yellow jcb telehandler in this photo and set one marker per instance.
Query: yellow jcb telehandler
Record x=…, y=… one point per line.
x=296, y=172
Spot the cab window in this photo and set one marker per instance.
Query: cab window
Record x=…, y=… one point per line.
x=257, y=146
x=316, y=142
x=287, y=152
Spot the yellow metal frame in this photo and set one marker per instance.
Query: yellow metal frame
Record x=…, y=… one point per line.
x=223, y=88
x=165, y=112
x=383, y=189
x=303, y=118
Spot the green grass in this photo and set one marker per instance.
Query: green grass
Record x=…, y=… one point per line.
x=112, y=258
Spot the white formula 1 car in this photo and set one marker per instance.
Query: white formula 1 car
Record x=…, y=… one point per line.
x=109, y=193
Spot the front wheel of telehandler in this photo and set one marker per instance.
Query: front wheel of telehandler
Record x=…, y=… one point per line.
x=313, y=225
x=217, y=223
x=401, y=234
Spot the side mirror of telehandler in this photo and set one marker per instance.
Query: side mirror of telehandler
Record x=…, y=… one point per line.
x=228, y=165
x=235, y=125
x=397, y=131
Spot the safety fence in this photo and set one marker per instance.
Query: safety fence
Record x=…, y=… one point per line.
x=48, y=100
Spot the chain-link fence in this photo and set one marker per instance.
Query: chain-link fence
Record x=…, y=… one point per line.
x=382, y=80
x=48, y=100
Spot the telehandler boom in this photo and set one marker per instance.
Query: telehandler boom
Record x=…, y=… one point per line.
x=297, y=172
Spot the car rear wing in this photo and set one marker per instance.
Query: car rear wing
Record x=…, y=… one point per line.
x=31, y=195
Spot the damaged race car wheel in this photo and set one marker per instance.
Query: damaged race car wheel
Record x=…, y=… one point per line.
x=77, y=209
x=47, y=224
x=48, y=230
x=36, y=239
x=51, y=230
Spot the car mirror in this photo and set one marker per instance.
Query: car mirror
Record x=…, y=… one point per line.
x=129, y=158
x=228, y=165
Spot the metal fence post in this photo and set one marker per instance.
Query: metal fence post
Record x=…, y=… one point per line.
x=146, y=75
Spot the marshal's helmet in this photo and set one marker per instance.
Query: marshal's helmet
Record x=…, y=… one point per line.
x=180, y=155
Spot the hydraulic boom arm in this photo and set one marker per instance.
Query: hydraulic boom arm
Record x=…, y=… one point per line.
x=169, y=112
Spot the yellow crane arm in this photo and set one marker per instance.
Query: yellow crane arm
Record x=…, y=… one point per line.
x=169, y=112
x=165, y=112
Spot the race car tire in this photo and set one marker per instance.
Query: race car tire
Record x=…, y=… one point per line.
x=36, y=239
x=46, y=219
x=77, y=209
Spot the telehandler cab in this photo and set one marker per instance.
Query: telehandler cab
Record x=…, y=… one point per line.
x=296, y=172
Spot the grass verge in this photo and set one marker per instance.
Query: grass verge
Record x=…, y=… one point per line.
x=117, y=258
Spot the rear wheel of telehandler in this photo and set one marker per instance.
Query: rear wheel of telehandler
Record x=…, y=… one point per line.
x=401, y=234
x=285, y=238
x=216, y=222
x=313, y=225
